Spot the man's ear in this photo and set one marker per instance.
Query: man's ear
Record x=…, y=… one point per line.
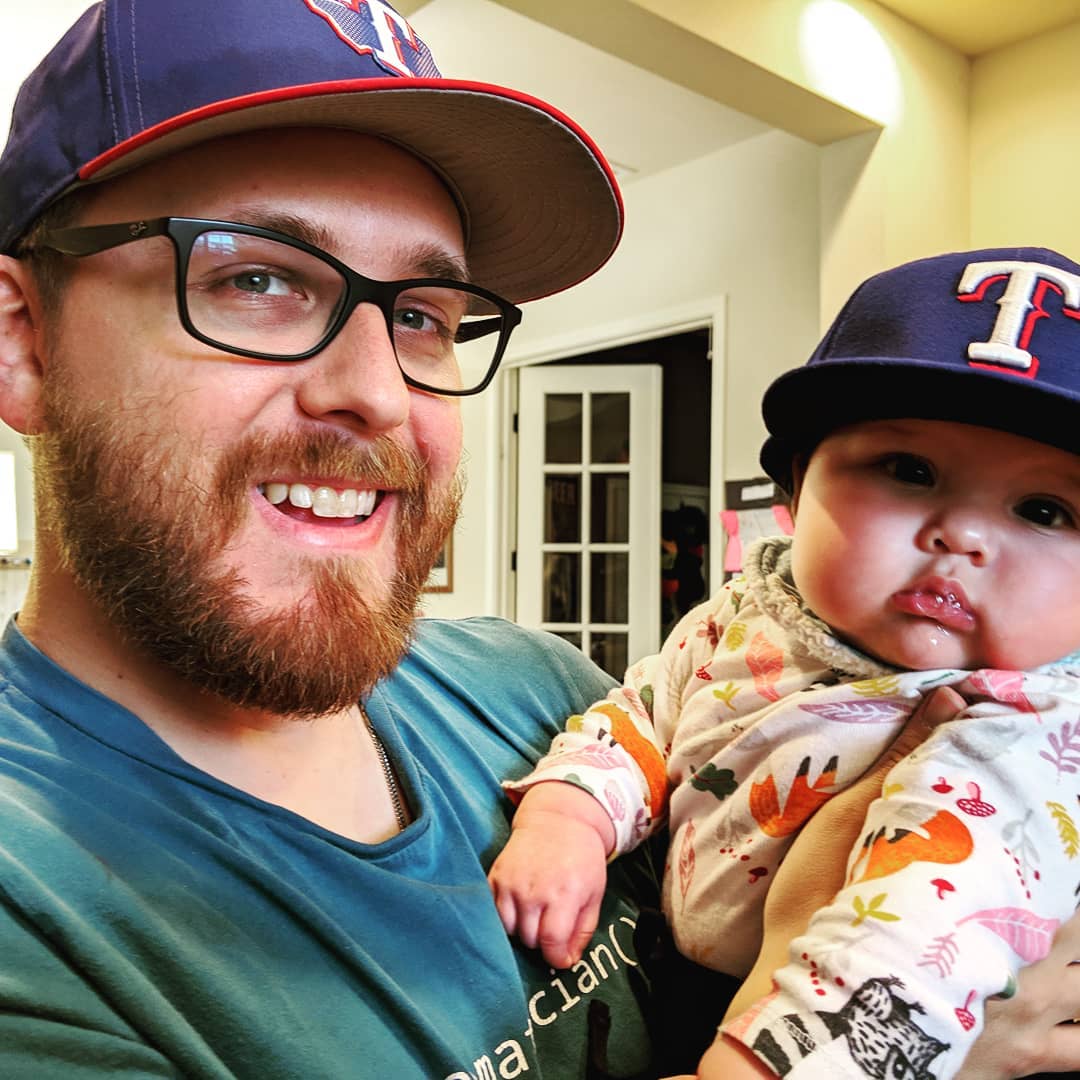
x=20, y=342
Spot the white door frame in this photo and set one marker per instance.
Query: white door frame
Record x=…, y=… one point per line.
x=708, y=312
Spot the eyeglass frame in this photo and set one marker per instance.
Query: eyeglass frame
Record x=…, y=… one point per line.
x=81, y=240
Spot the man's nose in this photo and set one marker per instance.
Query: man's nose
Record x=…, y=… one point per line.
x=356, y=379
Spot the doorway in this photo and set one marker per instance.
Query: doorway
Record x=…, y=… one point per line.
x=613, y=493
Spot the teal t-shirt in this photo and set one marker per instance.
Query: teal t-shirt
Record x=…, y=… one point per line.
x=155, y=921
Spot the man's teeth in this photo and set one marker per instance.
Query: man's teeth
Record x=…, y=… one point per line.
x=324, y=502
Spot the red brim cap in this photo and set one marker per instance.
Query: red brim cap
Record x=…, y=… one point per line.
x=134, y=81
x=988, y=337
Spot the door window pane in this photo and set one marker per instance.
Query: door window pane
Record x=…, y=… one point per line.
x=608, y=651
x=562, y=587
x=562, y=429
x=610, y=428
x=610, y=509
x=610, y=587
x=562, y=509
x=573, y=636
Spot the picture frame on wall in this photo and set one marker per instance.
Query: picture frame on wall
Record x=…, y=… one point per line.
x=441, y=579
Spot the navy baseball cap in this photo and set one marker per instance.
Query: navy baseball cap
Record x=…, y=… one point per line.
x=988, y=337
x=134, y=80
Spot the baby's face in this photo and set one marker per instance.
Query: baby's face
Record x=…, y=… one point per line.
x=932, y=545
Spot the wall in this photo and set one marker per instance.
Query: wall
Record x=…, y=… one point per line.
x=741, y=223
x=1024, y=108
x=898, y=196
x=828, y=71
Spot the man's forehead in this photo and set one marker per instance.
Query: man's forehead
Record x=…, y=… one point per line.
x=343, y=192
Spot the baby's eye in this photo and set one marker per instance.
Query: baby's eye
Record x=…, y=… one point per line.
x=909, y=469
x=1048, y=513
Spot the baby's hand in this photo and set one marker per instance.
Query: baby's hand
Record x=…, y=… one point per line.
x=550, y=878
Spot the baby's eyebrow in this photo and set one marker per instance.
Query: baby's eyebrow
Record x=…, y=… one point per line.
x=1070, y=477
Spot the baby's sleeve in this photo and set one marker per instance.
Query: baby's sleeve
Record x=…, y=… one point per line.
x=617, y=749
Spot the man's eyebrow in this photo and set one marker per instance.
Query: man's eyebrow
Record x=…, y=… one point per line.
x=283, y=222
x=432, y=261
x=419, y=260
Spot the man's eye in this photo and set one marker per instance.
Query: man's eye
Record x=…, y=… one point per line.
x=1045, y=512
x=412, y=319
x=418, y=321
x=909, y=469
x=260, y=282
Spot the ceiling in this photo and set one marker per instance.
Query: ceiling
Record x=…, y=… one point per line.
x=974, y=27
x=643, y=122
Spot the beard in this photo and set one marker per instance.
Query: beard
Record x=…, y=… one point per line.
x=143, y=540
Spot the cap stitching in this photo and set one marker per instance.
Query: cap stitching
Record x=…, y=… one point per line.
x=135, y=68
x=105, y=26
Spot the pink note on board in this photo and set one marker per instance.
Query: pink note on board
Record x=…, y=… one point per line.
x=744, y=526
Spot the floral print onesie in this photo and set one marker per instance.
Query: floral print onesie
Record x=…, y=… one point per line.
x=752, y=715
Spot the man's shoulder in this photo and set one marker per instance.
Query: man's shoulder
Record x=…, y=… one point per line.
x=488, y=646
x=485, y=670
x=478, y=639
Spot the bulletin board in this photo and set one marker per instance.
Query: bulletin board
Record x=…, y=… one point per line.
x=756, y=507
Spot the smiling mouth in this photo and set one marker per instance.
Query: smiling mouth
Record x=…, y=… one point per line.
x=335, y=505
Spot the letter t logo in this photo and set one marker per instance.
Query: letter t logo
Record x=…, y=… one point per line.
x=372, y=27
x=1020, y=306
x=393, y=32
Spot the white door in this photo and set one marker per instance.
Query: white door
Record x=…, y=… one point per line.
x=588, y=529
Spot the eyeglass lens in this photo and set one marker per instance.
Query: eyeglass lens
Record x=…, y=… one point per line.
x=259, y=295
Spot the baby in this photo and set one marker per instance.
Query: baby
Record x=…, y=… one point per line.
x=930, y=447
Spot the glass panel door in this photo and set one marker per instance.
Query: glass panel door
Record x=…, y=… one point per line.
x=589, y=507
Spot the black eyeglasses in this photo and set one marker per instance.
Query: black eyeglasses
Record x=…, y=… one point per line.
x=254, y=292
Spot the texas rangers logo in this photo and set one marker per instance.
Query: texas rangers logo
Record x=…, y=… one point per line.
x=1020, y=308
x=376, y=29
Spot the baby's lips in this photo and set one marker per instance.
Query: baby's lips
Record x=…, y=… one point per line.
x=944, y=607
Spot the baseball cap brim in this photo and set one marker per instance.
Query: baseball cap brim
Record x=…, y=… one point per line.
x=810, y=402
x=540, y=205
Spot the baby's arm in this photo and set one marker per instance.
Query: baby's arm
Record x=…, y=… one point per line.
x=599, y=791
x=549, y=880
x=589, y=798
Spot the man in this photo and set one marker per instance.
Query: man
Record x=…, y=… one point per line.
x=239, y=242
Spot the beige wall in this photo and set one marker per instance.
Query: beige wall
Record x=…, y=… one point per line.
x=740, y=224
x=1024, y=156
x=886, y=199
x=981, y=154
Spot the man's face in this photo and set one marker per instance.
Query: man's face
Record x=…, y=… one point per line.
x=159, y=452
x=938, y=545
